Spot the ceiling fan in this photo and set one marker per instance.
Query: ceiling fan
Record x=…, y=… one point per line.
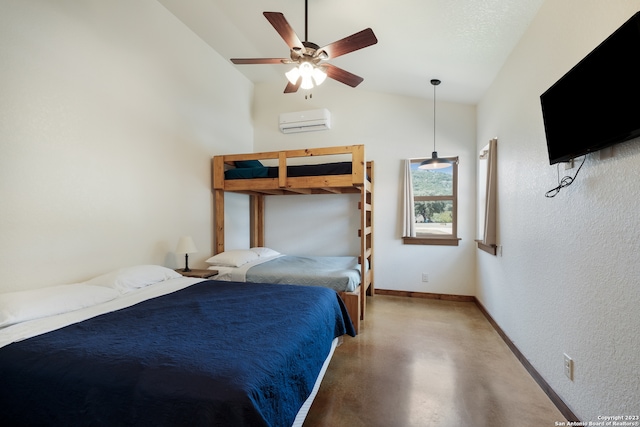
x=309, y=58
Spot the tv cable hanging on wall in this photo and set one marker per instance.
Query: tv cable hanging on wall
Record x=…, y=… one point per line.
x=565, y=181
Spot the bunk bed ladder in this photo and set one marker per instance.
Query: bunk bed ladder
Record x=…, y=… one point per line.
x=366, y=240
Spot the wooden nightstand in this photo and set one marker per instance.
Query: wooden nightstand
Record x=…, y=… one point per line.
x=202, y=274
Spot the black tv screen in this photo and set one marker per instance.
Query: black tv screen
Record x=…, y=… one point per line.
x=597, y=103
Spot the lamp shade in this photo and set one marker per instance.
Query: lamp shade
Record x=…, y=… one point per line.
x=435, y=162
x=293, y=75
x=319, y=75
x=186, y=245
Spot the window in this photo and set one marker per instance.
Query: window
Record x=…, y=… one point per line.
x=487, y=186
x=434, y=203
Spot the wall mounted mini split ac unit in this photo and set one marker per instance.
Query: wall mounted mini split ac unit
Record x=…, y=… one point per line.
x=305, y=121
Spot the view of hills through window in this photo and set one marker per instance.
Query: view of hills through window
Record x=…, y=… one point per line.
x=433, y=199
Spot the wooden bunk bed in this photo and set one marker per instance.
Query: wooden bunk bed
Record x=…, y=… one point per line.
x=359, y=180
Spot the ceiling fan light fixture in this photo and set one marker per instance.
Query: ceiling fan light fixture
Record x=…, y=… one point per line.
x=319, y=75
x=306, y=69
x=306, y=72
x=293, y=75
x=307, y=83
x=309, y=74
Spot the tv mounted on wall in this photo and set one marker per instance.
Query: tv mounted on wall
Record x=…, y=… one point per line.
x=597, y=103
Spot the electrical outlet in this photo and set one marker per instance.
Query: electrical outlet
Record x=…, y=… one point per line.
x=425, y=277
x=568, y=366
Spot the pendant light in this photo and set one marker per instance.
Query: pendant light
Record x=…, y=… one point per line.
x=434, y=162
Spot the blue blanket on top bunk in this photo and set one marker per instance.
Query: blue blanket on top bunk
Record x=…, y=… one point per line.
x=340, y=168
x=214, y=354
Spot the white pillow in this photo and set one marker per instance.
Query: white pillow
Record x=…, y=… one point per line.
x=16, y=307
x=131, y=278
x=265, y=252
x=234, y=258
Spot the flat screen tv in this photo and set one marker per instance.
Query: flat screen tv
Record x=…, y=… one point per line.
x=597, y=103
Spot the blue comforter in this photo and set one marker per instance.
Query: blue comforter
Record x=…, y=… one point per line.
x=213, y=354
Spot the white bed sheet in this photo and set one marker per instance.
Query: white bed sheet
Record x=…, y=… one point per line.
x=239, y=274
x=306, y=406
x=43, y=325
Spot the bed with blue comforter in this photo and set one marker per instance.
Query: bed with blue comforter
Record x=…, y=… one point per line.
x=212, y=354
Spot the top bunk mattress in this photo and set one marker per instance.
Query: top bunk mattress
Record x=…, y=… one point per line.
x=339, y=168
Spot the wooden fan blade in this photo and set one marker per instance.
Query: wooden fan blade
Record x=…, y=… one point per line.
x=292, y=88
x=284, y=29
x=349, y=44
x=342, y=76
x=259, y=60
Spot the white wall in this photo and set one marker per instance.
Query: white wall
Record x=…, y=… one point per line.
x=392, y=128
x=568, y=278
x=109, y=114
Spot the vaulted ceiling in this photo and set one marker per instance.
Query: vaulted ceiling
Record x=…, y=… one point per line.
x=464, y=43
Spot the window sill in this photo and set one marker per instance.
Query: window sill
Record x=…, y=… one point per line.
x=437, y=241
x=490, y=249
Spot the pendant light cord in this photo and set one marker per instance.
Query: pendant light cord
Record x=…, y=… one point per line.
x=434, y=82
x=434, y=115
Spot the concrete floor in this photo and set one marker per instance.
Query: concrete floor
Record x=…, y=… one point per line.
x=421, y=362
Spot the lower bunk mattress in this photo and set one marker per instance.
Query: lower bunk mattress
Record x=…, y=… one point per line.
x=340, y=273
x=211, y=354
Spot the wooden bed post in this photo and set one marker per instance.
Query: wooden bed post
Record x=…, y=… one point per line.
x=256, y=218
x=282, y=169
x=358, y=169
x=218, y=203
x=219, y=221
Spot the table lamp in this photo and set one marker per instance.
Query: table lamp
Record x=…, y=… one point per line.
x=186, y=247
